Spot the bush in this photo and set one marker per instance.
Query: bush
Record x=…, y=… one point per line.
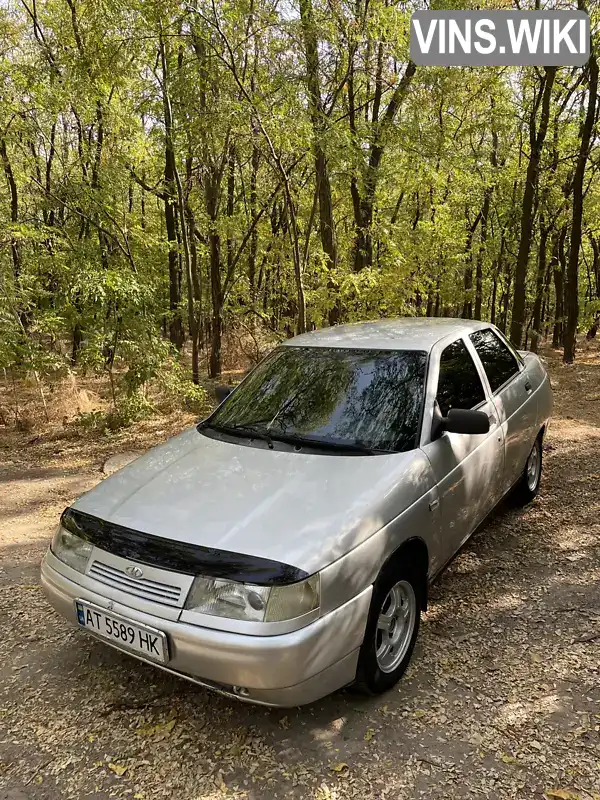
x=180, y=391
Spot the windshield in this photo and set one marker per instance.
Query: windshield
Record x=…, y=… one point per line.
x=365, y=398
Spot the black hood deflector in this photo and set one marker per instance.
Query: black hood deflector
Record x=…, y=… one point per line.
x=191, y=559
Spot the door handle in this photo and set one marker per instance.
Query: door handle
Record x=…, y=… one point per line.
x=528, y=386
x=493, y=421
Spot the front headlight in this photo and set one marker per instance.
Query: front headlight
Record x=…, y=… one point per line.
x=70, y=549
x=253, y=603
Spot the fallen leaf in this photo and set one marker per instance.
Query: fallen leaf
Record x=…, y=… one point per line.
x=220, y=783
x=562, y=794
x=118, y=769
x=339, y=767
x=162, y=729
x=369, y=734
x=508, y=759
x=588, y=637
x=535, y=745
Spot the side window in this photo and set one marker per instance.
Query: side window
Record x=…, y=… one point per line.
x=459, y=385
x=499, y=363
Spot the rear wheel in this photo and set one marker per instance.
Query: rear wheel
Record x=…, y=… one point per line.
x=529, y=483
x=391, y=631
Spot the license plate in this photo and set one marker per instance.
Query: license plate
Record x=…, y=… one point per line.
x=122, y=632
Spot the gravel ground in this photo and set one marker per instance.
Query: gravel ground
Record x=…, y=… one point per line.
x=502, y=699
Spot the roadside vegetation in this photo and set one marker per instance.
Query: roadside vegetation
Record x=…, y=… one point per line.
x=182, y=185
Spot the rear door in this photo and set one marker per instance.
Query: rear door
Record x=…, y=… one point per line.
x=513, y=396
x=467, y=469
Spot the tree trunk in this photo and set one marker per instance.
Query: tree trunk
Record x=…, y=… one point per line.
x=596, y=263
x=77, y=342
x=591, y=334
x=192, y=233
x=527, y=213
x=14, y=218
x=253, y=248
x=493, y=300
x=546, y=300
x=230, y=243
x=181, y=208
x=323, y=185
x=559, y=291
x=176, y=332
x=498, y=312
x=572, y=287
x=429, y=307
x=539, y=288
x=216, y=289
x=485, y=212
x=505, y=298
x=363, y=203
x=467, y=310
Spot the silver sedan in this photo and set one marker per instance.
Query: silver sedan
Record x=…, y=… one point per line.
x=283, y=547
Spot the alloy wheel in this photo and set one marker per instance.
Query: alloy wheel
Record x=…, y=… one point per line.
x=395, y=626
x=533, y=467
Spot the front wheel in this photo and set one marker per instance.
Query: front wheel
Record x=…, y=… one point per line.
x=529, y=483
x=391, y=631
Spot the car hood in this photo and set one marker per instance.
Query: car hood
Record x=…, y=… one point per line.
x=302, y=509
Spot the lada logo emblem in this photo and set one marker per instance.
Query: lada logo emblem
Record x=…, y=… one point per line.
x=134, y=572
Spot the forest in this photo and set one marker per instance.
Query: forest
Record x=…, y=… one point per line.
x=172, y=172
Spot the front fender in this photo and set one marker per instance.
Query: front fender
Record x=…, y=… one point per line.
x=358, y=569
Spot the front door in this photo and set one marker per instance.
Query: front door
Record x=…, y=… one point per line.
x=467, y=468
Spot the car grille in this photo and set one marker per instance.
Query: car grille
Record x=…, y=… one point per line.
x=139, y=587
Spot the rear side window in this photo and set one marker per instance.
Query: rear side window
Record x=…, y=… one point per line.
x=499, y=363
x=459, y=384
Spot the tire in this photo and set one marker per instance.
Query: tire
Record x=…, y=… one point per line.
x=528, y=484
x=377, y=670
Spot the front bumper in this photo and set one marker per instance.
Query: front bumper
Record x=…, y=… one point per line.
x=287, y=670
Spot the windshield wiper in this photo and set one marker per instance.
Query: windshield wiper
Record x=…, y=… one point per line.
x=240, y=430
x=246, y=430
x=251, y=423
x=270, y=419
x=327, y=444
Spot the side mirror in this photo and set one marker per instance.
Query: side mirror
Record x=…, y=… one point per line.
x=460, y=420
x=222, y=392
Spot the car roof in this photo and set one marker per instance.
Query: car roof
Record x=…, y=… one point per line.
x=403, y=333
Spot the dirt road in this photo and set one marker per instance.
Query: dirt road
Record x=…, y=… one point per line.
x=502, y=699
